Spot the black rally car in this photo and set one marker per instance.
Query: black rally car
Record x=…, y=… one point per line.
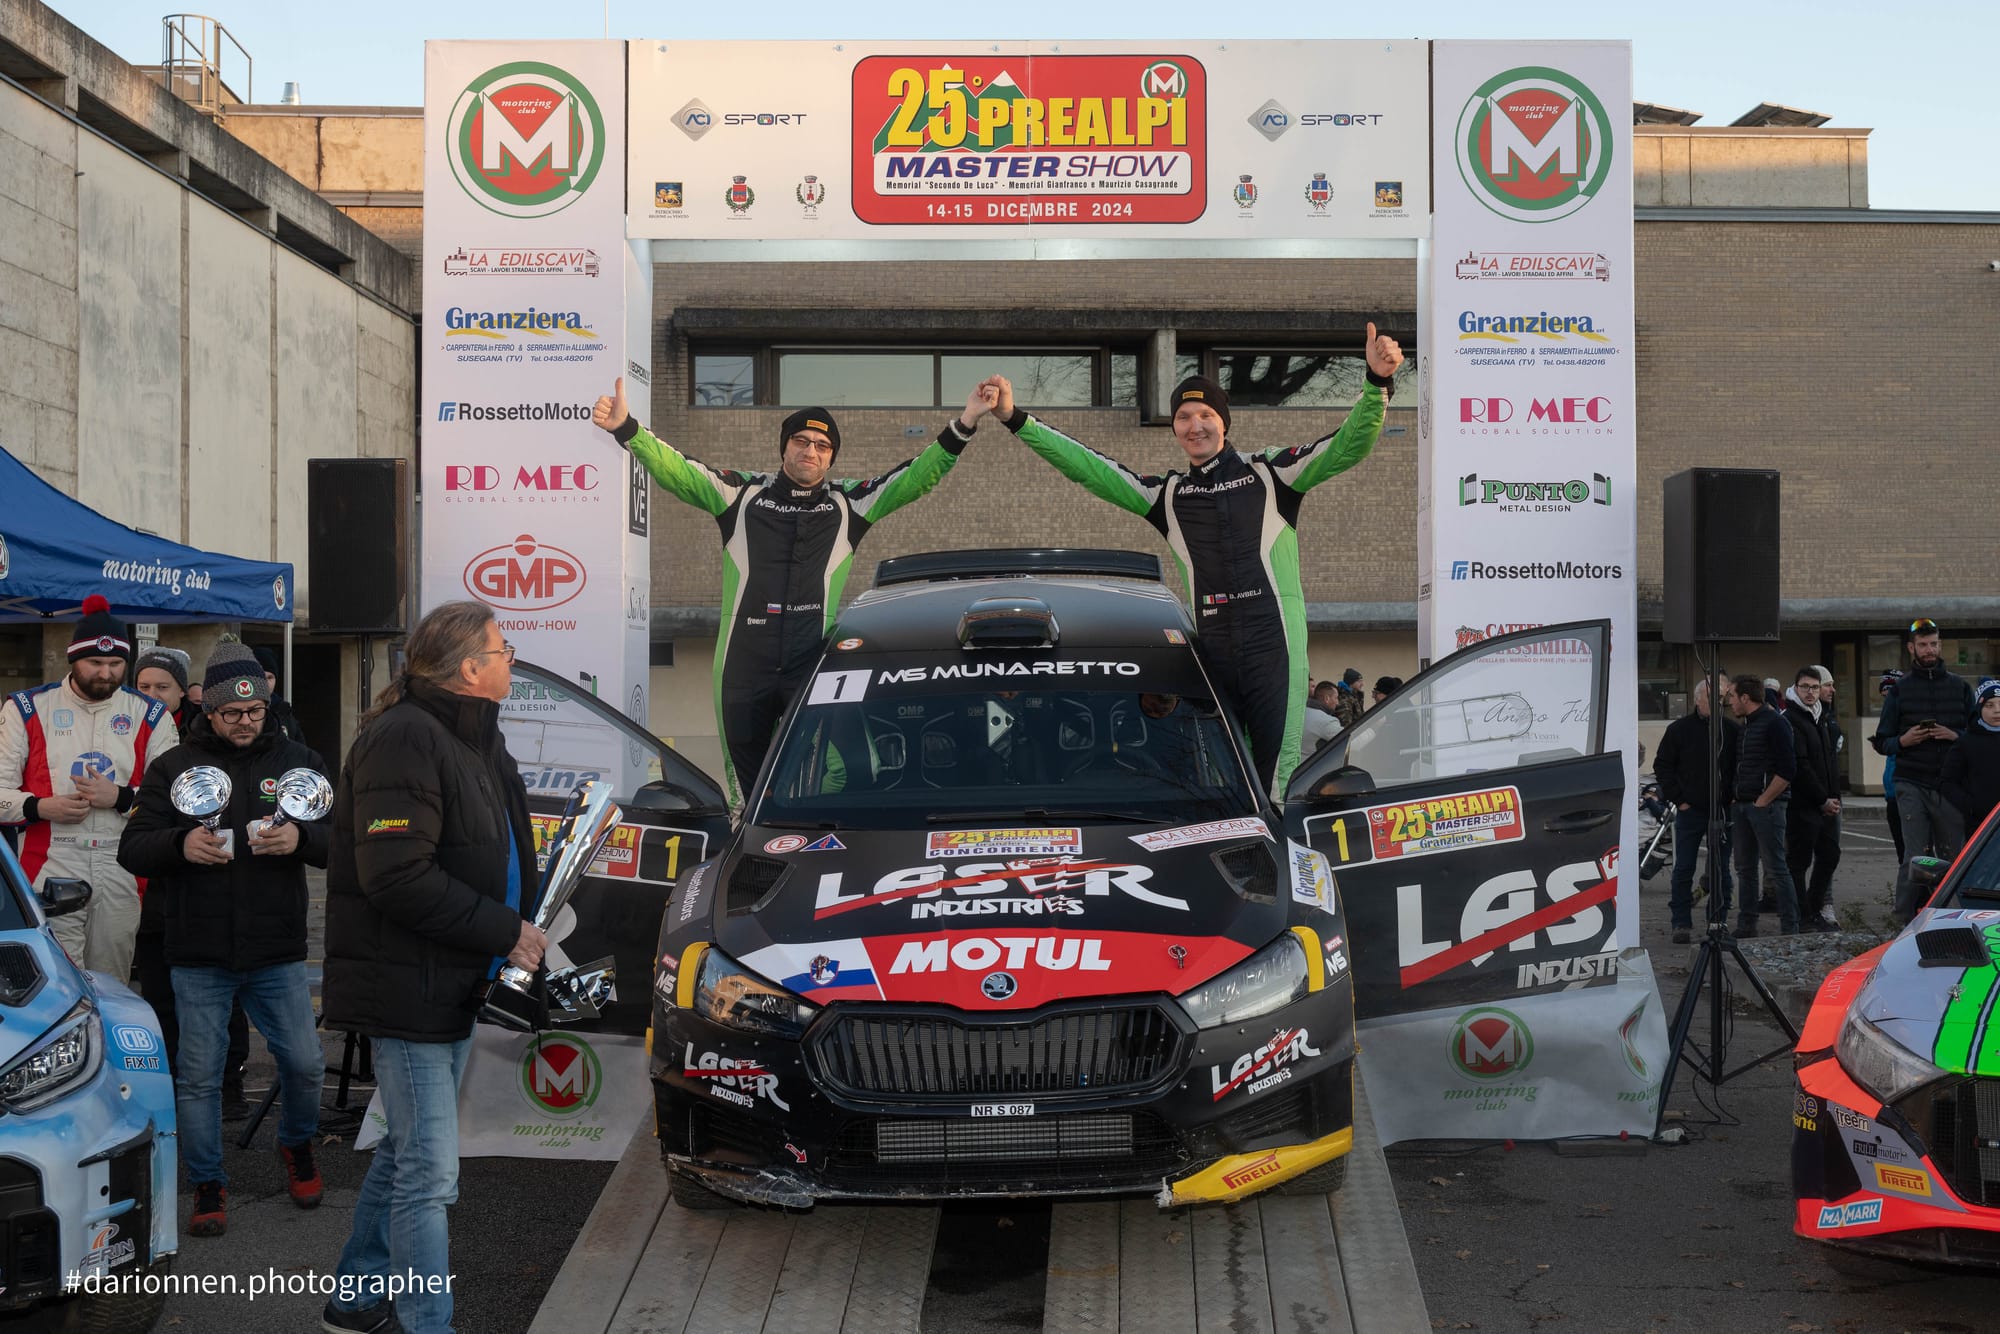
x=1006, y=915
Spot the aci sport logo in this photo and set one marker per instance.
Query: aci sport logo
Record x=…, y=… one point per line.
x=1534, y=144
x=561, y=1075
x=525, y=139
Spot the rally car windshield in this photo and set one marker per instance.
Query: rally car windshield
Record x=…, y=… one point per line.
x=1112, y=753
x=13, y=894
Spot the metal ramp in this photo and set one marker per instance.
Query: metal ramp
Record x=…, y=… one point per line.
x=643, y=1265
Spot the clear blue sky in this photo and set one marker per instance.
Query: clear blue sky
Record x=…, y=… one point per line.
x=1921, y=79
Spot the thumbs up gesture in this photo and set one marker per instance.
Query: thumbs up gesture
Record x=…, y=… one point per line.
x=610, y=411
x=1384, y=354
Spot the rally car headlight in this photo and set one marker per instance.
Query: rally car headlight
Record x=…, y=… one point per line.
x=1268, y=980
x=1877, y=1062
x=67, y=1055
x=726, y=993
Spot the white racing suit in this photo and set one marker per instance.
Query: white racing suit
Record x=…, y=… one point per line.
x=48, y=736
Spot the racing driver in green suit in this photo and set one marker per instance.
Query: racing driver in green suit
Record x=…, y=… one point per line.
x=788, y=539
x=1232, y=522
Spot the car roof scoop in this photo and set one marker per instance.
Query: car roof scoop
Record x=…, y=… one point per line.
x=1008, y=622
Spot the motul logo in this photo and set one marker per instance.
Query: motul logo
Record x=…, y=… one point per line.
x=550, y=477
x=977, y=954
x=524, y=575
x=1492, y=411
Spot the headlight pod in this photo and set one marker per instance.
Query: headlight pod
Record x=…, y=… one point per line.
x=1877, y=1062
x=67, y=1055
x=1268, y=980
x=729, y=995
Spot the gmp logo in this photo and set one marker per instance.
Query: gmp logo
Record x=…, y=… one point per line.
x=1491, y=1043
x=525, y=139
x=1534, y=144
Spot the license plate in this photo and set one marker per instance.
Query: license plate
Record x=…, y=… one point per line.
x=1003, y=1109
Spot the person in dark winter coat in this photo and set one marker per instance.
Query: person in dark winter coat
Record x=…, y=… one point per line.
x=1811, y=834
x=1921, y=718
x=429, y=886
x=1686, y=781
x=1972, y=766
x=1765, y=768
x=235, y=907
x=281, y=708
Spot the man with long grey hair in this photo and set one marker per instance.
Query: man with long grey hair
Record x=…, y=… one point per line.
x=429, y=888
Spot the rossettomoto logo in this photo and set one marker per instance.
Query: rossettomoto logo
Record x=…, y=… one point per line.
x=513, y=412
x=524, y=575
x=525, y=139
x=1534, y=144
x=1490, y=1043
x=1479, y=570
x=561, y=1075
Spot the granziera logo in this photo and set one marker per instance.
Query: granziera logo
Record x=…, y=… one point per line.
x=561, y=1075
x=525, y=139
x=1534, y=144
x=1490, y=1043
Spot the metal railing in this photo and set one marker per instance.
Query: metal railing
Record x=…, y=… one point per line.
x=192, y=62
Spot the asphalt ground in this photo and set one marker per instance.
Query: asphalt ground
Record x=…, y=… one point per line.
x=1527, y=1237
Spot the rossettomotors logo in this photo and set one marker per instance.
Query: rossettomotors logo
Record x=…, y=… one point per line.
x=1534, y=144
x=525, y=139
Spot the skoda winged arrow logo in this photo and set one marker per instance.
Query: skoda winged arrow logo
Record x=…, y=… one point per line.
x=999, y=986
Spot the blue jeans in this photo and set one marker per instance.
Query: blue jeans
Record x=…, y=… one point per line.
x=279, y=1002
x=1759, y=836
x=1690, y=829
x=400, y=1227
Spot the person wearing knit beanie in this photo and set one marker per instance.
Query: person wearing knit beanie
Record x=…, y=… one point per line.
x=100, y=634
x=233, y=679
x=1972, y=765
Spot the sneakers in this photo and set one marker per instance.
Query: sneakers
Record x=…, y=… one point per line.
x=301, y=1174
x=1683, y=935
x=377, y=1319
x=211, y=1216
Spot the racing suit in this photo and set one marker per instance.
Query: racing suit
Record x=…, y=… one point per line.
x=786, y=551
x=1232, y=524
x=48, y=736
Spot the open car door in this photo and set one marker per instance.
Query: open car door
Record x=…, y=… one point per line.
x=1472, y=823
x=674, y=818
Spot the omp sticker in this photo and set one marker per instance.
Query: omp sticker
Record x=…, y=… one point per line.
x=1213, y=832
x=1446, y=824
x=1005, y=843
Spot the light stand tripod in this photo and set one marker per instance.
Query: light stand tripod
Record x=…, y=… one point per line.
x=1717, y=947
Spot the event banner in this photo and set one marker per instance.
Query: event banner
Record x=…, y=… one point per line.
x=527, y=286
x=1540, y=1067
x=1266, y=140
x=554, y=1094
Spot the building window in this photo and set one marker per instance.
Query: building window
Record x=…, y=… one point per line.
x=1663, y=691
x=1292, y=377
x=725, y=379
x=857, y=379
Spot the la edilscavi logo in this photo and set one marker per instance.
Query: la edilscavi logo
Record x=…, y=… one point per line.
x=1534, y=144
x=525, y=139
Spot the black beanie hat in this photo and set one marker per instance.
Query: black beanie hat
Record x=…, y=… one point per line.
x=1201, y=389
x=234, y=676
x=169, y=663
x=810, y=419
x=100, y=634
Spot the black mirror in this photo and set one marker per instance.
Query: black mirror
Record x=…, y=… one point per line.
x=1923, y=875
x=1346, y=782
x=668, y=797
x=61, y=895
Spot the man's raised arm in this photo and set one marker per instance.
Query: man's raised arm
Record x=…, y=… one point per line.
x=709, y=489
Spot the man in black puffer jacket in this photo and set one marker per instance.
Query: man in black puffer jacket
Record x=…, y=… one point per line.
x=431, y=876
x=1812, y=834
x=235, y=911
x=1927, y=711
x=1688, y=779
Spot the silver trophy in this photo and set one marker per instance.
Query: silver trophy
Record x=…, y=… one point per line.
x=514, y=999
x=304, y=795
x=202, y=793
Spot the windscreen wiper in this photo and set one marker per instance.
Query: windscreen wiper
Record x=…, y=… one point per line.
x=1037, y=813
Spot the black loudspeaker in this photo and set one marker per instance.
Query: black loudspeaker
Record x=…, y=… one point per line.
x=1720, y=556
x=358, y=545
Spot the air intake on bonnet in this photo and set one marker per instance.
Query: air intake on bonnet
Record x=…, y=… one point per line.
x=1950, y=947
x=20, y=975
x=753, y=881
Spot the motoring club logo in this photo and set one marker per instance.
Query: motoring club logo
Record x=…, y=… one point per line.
x=560, y=1074
x=525, y=139
x=1490, y=1043
x=1534, y=144
x=524, y=575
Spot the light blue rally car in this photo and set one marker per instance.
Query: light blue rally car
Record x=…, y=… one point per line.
x=87, y=1140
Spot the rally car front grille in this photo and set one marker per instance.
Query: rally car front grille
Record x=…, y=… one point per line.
x=1095, y=1148
x=922, y=1055
x=1965, y=1138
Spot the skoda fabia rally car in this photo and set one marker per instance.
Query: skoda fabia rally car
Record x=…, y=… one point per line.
x=1896, y=1116
x=1006, y=914
x=87, y=1160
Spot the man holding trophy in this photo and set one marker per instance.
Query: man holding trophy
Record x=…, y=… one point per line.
x=430, y=888
x=223, y=829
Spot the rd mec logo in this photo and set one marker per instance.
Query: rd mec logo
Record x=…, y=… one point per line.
x=525, y=139
x=1534, y=144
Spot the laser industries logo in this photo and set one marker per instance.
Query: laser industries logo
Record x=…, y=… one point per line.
x=525, y=139
x=1534, y=144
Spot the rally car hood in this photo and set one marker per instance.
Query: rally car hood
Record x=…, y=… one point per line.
x=996, y=918
x=23, y=954
x=1936, y=1008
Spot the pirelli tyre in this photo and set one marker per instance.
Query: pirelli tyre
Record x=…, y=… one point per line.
x=1322, y=1180
x=134, y=1309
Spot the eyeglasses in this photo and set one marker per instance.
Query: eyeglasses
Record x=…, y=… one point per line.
x=253, y=714
x=1923, y=625
x=506, y=649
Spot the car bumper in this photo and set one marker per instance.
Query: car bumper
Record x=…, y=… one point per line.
x=760, y=1119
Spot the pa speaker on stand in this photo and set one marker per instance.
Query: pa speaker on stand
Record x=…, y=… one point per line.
x=358, y=551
